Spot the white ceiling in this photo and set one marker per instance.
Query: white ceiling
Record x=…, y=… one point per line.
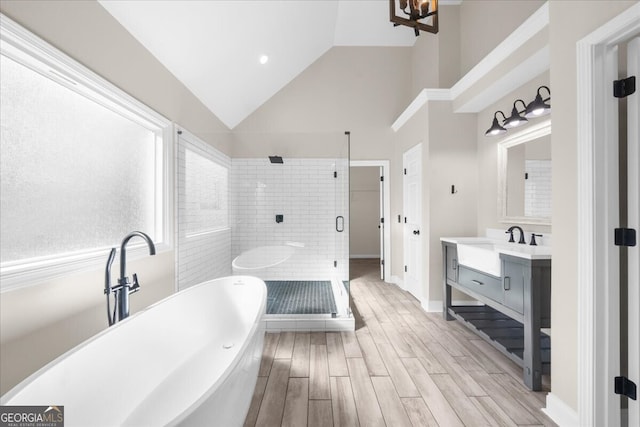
x=213, y=47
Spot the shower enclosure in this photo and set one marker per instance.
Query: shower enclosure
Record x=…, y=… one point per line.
x=289, y=226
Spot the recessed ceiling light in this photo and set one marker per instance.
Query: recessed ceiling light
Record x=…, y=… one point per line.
x=264, y=59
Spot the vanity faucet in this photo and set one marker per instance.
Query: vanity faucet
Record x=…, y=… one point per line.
x=533, y=239
x=510, y=232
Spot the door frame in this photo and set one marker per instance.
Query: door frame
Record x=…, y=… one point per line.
x=386, y=200
x=632, y=414
x=596, y=318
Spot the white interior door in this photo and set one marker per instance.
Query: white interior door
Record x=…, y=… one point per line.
x=382, y=223
x=412, y=205
x=633, y=220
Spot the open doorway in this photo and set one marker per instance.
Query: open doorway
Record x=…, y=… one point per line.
x=369, y=235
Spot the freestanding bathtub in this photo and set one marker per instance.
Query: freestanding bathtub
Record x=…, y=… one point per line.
x=191, y=359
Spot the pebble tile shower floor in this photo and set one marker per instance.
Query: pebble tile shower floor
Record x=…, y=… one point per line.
x=300, y=297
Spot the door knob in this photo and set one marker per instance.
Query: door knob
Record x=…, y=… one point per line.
x=416, y=232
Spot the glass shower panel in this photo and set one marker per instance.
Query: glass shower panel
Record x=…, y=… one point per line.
x=341, y=236
x=289, y=196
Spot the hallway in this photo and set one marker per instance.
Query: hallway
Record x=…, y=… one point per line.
x=401, y=367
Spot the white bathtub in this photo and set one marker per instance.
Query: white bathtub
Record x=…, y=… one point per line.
x=166, y=365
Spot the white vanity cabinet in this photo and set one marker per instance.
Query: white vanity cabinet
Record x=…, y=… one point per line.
x=515, y=307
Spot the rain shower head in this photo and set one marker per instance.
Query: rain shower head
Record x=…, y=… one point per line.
x=276, y=159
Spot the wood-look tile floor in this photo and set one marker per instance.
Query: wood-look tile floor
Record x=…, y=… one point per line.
x=401, y=367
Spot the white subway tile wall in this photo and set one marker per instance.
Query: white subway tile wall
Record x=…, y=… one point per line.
x=537, y=188
x=203, y=235
x=309, y=197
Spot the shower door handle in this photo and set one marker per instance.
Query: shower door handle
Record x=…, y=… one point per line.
x=339, y=223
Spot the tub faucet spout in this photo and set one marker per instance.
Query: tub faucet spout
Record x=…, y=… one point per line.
x=125, y=287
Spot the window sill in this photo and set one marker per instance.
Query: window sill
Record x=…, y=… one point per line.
x=22, y=275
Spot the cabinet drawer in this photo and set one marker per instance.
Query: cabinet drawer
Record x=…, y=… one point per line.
x=480, y=283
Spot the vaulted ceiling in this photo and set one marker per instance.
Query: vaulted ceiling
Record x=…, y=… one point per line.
x=214, y=47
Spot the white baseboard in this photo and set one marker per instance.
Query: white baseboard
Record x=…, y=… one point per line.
x=376, y=256
x=396, y=281
x=561, y=413
x=432, y=306
x=274, y=324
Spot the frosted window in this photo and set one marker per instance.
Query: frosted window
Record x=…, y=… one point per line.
x=74, y=175
x=205, y=194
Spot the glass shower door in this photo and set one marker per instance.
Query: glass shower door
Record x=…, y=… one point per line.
x=289, y=218
x=341, y=236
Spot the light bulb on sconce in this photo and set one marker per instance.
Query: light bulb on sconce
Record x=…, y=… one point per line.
x=537, y=108
x=495, y=128
x=516, y=119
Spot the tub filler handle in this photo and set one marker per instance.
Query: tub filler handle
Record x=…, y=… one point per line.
x=124, y=287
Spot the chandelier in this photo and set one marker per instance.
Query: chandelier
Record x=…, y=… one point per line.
x=418, y=14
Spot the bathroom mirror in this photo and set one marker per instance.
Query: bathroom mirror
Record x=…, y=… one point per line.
x=524, y=175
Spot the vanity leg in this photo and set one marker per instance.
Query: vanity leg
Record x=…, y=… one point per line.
x=447, y=303
x=449, y=273
x=532, y=358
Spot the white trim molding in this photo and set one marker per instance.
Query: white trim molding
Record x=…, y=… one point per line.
x=432, y=306
x=525, y=32
x=26, y=48
x=595, y=319
x=423, y=97
x=560, y=412
x=396, y=281
x=387, y=207
x=527, y=134
x=528, y=69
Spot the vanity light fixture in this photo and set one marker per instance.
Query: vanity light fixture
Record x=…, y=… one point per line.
x=516, y=119
x=495, y=128
x=537, y=108
x=418, y=14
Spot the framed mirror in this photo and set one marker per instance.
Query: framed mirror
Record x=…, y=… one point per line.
x=524, y=176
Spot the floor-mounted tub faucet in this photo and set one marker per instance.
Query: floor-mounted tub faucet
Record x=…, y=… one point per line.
x=125, y=287
x=510, y=232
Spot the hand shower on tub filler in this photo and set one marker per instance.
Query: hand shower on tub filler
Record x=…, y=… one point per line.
x=125, y=287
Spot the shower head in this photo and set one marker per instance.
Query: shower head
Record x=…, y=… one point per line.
x=276, y=159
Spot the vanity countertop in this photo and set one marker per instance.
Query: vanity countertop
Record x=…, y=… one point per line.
x=514, y=249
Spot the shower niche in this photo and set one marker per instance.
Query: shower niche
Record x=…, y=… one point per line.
x=289, y=215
